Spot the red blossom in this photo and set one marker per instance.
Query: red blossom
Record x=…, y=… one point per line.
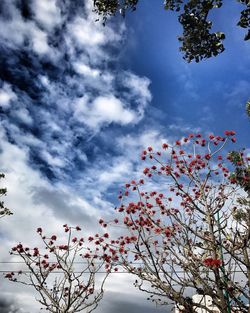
x=210, y=262
x=229, y=132
x=9, y=275
x=208, y=156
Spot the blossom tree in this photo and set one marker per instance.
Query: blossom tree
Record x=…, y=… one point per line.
x=54, y=275
x=191, y=233
x=3, y=210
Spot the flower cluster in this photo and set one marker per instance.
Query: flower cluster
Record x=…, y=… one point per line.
x=187, y=162
x=156, y=222
x=60, y=258
x=210, y=262
x=50, y=260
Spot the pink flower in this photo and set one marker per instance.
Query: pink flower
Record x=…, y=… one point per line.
x=210, y=262
x=157, y=230
x=9, y=275
x=208, y=156
x=229, y=132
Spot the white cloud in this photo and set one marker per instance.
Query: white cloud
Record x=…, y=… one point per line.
x=85, y=34
x=135, y=144
x=24, y=116
x=51, y=160
x=17, y=31
x=90, y=33
x=103, y=110
x=138, y=86
x=116, y=172
x=34, y=200
x=24, y=185
x=6, y=95
x=39, y=41
x=47, y=13
x=8, y=30
x=87, y=44
x=181, y=126
x=84, y=69
x=111, y=109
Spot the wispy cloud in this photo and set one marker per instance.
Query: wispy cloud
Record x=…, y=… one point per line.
x=64, y=88
x=7, y=305
x=62, y=97
x=6, y=96
x=238, y=95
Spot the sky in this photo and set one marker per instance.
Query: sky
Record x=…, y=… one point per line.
x=78, y=103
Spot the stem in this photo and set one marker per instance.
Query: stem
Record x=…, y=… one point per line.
x=223, y=264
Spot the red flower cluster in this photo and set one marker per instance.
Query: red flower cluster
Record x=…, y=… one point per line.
x=10, y=275
x=210, y=262
x=229, y=132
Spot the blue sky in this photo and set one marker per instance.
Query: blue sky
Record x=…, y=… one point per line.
x=211, y=94
x=79, y=101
